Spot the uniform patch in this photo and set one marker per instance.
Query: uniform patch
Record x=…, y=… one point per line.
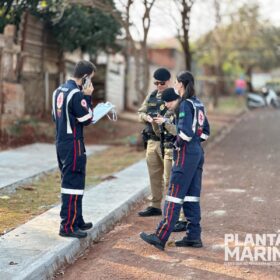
x=84, y=103
x=59, y=100
x=182, y=114
x=162, y=107
x=201, y=117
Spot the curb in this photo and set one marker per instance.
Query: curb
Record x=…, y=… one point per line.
x=12, y=186
x=35, y=251
x=68, y=254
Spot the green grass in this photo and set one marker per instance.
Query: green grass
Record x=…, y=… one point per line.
x=231, y=105
x=34, y=199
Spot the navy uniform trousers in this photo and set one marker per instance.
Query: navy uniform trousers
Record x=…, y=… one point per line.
x=72, y=110
x=184, y=189
x=72, y=164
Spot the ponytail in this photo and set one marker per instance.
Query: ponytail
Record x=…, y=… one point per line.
x=186, y=78
x=190, y=91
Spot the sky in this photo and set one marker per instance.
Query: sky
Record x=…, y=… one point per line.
x=202, y=16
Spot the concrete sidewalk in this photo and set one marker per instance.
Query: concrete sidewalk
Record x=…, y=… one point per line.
x=20, y=165
x=35, y=250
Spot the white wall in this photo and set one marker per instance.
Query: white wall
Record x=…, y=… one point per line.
x=115, y=81
x=259, y=79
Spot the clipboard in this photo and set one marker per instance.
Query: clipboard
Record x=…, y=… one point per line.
x=102, y=109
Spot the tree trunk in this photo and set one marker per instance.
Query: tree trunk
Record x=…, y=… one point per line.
x=146, y=73
x=218, y=63
x=249, y=79
x=217, y=90
x=185, y=14
x=1, y=92
x=188, y=56
x=126, y=71
x=142, y=73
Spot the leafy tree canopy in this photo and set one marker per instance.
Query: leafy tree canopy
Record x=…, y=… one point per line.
x=245, y=43
x=86, y=28
x=73, y=26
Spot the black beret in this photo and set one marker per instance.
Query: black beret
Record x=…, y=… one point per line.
x=162, y=74
x=169, y=94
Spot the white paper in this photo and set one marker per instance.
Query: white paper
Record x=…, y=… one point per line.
x=101, y=110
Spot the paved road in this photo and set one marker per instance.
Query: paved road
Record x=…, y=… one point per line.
x=241, y=195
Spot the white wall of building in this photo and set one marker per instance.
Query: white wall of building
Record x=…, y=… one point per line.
x=115, y=81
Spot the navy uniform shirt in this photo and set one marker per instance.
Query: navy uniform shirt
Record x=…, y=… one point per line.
x=192, y=123
x=71, y=111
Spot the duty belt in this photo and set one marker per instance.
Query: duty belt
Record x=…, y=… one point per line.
x=153, y=137
x=168, y=145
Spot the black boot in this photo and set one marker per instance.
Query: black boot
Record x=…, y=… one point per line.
x=77, y=234
x=185, y=242
x=180, y=226
x=85, y=226
x=150, y=211
x=153, y=240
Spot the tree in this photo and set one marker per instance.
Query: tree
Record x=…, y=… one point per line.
x=271, y=43
x=210, y=52
x=244, y=31
x=11, y=10
x=91, y=31
x=141, y=55
x=180, y=12
x=184, y=7
x=136, y=47
x=218, y=39
x=247, y=43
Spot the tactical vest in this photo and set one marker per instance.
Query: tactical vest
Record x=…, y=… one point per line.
x=156, y=106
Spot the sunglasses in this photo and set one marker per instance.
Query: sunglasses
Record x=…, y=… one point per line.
x=159, y=83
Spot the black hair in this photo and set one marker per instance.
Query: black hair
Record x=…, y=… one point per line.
x=187, y=79
x=82, y=68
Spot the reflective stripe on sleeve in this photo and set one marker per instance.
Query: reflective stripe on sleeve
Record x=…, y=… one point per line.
x=184, y=136
x=69, y=97
x=174, y=199
x=194, y=117
x=72, y=191
x=191, y=199
x=53, y=104
x=90, y=111
x=204, y=136
x=85, y=118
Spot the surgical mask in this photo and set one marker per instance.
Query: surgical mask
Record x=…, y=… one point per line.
x=176, y=91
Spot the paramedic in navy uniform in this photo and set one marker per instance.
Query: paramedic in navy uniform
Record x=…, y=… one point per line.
x=185, y=183
x=72, y=110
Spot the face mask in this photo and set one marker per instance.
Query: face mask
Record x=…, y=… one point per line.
x=176, y=91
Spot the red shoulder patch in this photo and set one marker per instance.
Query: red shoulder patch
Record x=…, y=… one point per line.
x=84, y=103
x=59, y=100
x=201, y=117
